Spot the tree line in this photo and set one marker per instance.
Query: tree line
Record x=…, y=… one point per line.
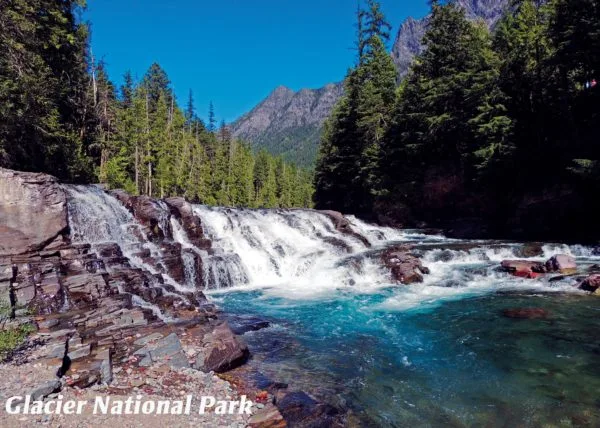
x=61, y=114
x=486, y=123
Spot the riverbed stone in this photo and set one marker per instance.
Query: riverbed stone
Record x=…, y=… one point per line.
x=523, y=268
x=591, y=283
x=525, y=313
x=562, y=263
x=405, y=268
x=222, y=351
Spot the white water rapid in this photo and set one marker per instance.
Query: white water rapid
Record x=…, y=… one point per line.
x=298, y=254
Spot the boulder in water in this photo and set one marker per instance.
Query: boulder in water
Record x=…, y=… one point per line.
x=530, y=249
x=342, y=224
x=523, y=268
x=222, y=351
x=561, y=263
x=591, y=283
x=525, y=313
x=405, y=268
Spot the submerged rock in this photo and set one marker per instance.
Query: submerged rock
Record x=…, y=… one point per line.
x=525, y=313
x=405, y=268
x=591, y=283
x=299, y=409
x=530, y=249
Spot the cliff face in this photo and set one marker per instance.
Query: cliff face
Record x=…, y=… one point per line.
x=408, y=42
x=288, y=123
x=90, y=296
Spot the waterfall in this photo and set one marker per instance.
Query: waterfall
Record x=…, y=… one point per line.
x=96, y=218
x=296, y=251
x=300, y=253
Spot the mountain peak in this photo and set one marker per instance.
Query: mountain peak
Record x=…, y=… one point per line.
x=289, y=123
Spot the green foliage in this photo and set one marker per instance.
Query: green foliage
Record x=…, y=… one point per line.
x=45, y=103
x=156, y=148
x=347, y=173
x=13, y=337
x=480, y=119
x=61, y=114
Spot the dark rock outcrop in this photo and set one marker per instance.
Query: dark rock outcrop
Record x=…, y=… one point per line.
x=405, y=268
x=148, y=212
x=591, y=283
x=342, y=224
x=182, y=210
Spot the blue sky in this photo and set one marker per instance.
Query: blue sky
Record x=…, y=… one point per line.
x=232, y=52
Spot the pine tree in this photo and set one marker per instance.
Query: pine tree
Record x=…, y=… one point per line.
x=348, y=166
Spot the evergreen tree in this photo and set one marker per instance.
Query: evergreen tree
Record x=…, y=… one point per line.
x=348, y=166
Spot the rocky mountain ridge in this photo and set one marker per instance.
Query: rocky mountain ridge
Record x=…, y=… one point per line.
x=289, y=123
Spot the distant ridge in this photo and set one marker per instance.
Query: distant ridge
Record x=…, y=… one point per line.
x=289, y=123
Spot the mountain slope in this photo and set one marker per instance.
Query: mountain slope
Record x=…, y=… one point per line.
x=408, y=41
x=289, y=123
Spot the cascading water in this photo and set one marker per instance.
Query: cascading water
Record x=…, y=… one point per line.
x=398, y=355
x=298, y=253
x=96, y=217
x=292, y=251
x=437, y=353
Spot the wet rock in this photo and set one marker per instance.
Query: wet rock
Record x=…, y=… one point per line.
x=267, y=418
x=525, y=313
x=342, y=224
x=33, y=211
x=183, y=211
x=591, y=283
x=45, y=389
x=529, y=250
x=148, y=212
x=523, y=268
x=241, y=325
x=299, y=409
x=561, y=263
x=109, y=250
x=405, y=268
x=594, y=268
x=222, y=351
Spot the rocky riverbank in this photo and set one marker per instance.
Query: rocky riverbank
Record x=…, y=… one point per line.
x=116, y=316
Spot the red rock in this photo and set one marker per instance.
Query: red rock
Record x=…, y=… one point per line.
x=591, y=283
x=523, y=268
x=405, y=268
x=561, y=263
